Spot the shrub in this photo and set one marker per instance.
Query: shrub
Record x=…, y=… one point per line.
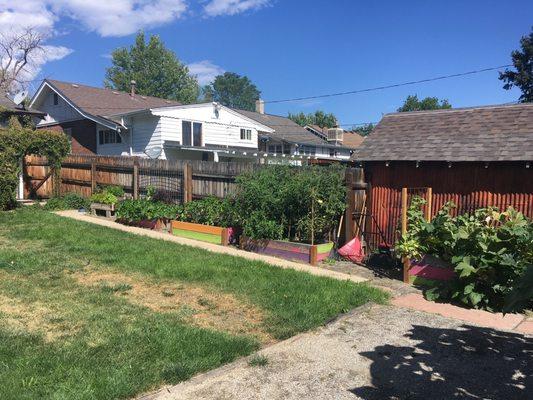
x=304, y=202
x=143, y=209
x=210, y=211
x=490, y=252
x=15, y=143
x=258, y=226
x=67, y=202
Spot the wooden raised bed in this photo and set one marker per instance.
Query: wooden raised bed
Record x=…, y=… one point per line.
x=155, y=224
x=108, y=209
x=300, y=252
x=430, y=271
x=204, y=233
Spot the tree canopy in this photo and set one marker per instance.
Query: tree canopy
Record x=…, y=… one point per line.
x=412, y=103
x=364, y=130
x=232, y=90
x=156, y=70
x=319, y=118
x=522, y=78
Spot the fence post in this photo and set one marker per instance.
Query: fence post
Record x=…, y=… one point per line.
x=429, y=203
x=135, y=183
x=187, y=183
x=405, y=261
x=93, y=177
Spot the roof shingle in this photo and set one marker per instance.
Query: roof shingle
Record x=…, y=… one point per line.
x=107, y=102
x=491, y=133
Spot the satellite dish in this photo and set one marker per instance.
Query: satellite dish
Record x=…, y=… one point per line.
x=20, y=96
x=153, y=152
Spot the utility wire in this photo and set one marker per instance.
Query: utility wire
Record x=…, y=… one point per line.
x=390, y=86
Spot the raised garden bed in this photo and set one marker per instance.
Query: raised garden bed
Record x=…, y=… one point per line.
x=293, y=251
x=99, y=208
x=430, y=271
x=204, y=233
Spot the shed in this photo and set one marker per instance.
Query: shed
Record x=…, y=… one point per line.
x=476, y=157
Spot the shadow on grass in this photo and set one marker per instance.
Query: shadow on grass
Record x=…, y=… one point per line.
x=466, y=363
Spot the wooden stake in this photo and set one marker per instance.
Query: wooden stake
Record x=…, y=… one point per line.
x=135, y=183
x=93, y=177
x=429, y=202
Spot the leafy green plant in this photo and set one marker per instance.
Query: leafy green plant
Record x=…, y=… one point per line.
x=489, y=250
x=259, y=227
x=303, y=201
x=143, y=209
x=211, y=211
x=118, y=191
x=67, y=202
x=104, y=198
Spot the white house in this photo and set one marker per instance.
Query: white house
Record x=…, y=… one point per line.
x=109, y=122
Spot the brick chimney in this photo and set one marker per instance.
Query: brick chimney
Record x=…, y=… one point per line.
x=260, y=106
x=133, y=84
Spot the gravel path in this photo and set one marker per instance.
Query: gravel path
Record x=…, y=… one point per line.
x=378, y=352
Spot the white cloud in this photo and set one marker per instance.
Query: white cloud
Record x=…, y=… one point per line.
x=105, y=17
x=120, y=17
x=231, y=7
x=205, y=71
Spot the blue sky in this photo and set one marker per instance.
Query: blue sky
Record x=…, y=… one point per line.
x=296, y=48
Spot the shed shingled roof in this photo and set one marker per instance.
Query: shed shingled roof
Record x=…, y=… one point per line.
x=490, y=133
x=106, y=102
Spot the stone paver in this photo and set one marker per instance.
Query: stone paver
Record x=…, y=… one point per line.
x=377, y=352
x=416, y=301
x=278, y=262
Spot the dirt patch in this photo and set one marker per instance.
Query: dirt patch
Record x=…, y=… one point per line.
x=196, y=305
x=35, y=318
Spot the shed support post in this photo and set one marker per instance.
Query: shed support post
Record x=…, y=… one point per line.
x=405, y=260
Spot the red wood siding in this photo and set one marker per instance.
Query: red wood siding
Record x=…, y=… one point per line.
x=83, y=135
x=468, y=184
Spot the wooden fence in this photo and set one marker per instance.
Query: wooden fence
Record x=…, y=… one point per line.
x=181, y=180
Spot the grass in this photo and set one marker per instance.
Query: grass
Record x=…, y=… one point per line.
x=63, y=339
x=258, y=360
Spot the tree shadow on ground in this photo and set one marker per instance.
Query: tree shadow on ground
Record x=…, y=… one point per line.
x=465, y=363
x=384, y=266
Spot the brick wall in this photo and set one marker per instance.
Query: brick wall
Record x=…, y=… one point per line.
x=83, y=135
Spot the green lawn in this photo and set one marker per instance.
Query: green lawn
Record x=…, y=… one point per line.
x=88, y=312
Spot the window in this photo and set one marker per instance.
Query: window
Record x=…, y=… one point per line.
x=287, y=149
x=275, y=148
x=191, y=133
x=109, y=136
x=307, y=150
x=56, y=99
x=246, y=134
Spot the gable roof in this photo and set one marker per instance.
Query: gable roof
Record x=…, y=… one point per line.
x=7, y=104
x=104, y=102
x=490, y=133
x=286, y=129
x=352, y=139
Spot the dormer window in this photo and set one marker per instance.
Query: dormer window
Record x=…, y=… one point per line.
x=56, y=99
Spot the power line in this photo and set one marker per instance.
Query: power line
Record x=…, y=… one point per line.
x=390, y=86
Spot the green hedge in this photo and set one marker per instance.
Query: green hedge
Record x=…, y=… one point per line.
x=15, y=143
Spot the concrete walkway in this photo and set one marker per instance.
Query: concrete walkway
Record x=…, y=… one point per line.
x=278, y=262
x=511, y=322
x=377, y=352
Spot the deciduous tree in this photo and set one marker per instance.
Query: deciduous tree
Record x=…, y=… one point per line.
x=233, y=90
x=412, y=103
x=522, y=78
x=155, y=69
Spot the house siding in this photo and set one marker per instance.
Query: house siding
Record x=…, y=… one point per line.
x=83, y=135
